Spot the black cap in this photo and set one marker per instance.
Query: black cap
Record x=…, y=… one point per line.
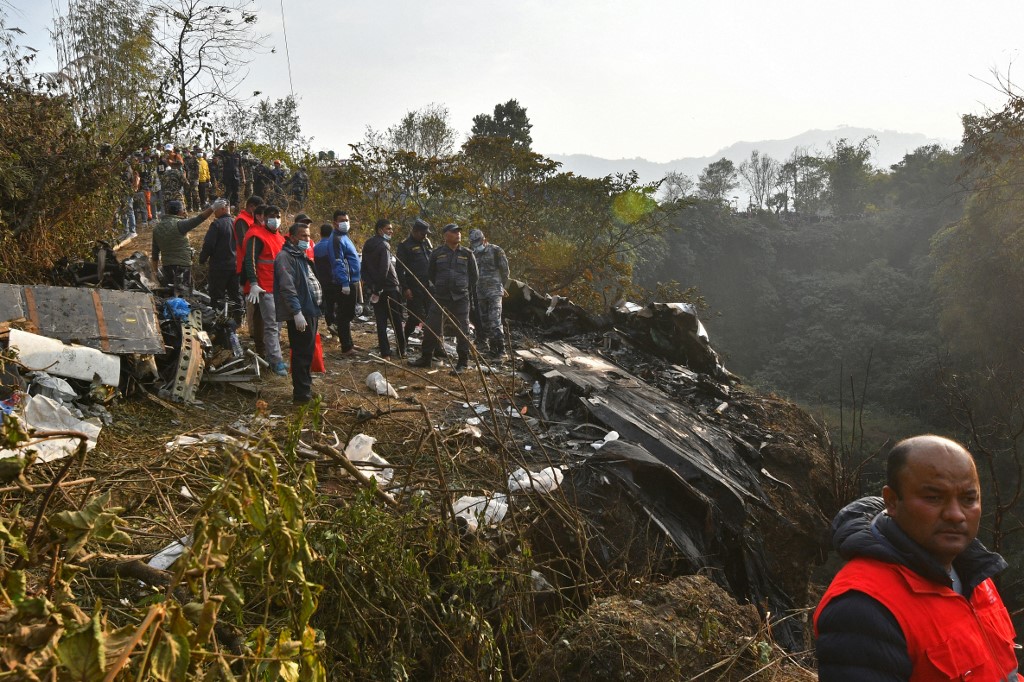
x=303, y=218
x=421, y=226
x=175, y=207
x=451, y=227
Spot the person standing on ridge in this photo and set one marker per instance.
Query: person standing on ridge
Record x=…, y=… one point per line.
x=490, y=289
x=261, y=246
x=413, y=260
x=381, y=281
x=297, y=303
x=452, y=274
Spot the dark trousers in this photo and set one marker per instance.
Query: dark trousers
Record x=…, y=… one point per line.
x=223, y=285
x=231, y=191
x=448, y=309
x=344, y=313
x=389, y=309
x=204, y=193
x=303, y=345
x=179, y=277
x=329, y=305
x=418, y=308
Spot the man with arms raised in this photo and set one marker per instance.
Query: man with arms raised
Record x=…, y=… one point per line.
x=916, y=600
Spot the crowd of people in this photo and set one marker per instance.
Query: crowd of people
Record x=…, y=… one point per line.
x=285, y=282
x=153, y=177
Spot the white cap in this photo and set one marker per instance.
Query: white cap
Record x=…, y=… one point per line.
x=168, y=147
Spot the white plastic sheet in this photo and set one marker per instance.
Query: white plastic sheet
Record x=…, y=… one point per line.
x=481, y=510
x=544, y=481
x=377, y=383
x=40, y=413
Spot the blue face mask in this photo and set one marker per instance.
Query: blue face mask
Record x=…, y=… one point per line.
x=303, y=246
x=387, y=237
x=273, y=223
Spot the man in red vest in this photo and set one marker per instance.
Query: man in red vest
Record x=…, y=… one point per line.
x=915, y=600
x=261, y=245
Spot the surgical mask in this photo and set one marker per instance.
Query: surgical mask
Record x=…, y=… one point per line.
x=343, y=227
x=303, y=246
x=479, y=248
x=387, y=237
x=273, y=223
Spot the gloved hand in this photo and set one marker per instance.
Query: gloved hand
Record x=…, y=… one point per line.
x=346, y=290
x=374, y=299
x=300, y=321
x=219, y=203
x=254, y=293
x=359, y=309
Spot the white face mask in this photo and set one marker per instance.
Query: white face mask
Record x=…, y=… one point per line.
x=273, y=223
x=343, y=227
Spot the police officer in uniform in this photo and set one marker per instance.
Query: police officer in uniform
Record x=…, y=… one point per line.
x=452, y=274
x=413, y=257
x=490, y=289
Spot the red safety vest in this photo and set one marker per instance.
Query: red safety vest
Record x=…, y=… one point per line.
x=272, y=243
x=948, y=637
x=248, y=219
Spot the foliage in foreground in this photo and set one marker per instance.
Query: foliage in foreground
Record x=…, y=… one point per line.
x=278, y=583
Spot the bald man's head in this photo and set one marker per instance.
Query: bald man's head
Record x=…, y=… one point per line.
x=934, y=495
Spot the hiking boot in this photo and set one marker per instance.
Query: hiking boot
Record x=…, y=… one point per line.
x=307, y=399
x=421, y=361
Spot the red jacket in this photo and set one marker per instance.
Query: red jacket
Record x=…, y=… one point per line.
x=948, y=637
x=248, y=219
x=271, y=243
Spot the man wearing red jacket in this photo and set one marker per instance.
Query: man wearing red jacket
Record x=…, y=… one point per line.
x=261, y=246
x=916, y=600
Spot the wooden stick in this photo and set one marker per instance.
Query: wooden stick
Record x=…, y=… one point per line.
x=36, y=486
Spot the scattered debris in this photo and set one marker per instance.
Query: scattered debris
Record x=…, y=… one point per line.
x=78, y=362
x=377, y=383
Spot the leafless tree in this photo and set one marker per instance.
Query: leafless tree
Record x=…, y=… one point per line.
x=204, y=48
x=676, y=186
x=760, y=173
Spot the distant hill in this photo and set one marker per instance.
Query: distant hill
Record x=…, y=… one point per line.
x=891, y=148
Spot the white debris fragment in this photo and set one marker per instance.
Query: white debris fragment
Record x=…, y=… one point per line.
x=166, y=557
x=40, y=413
x=206, y=439
x=608, y=438
x=360, y=449
x=543, y=481
x=377, y=383
x=481, y=510
x=473, y=421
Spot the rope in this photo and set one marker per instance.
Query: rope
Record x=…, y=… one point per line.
x=287, y=54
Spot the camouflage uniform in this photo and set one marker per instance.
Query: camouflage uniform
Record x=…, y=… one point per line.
x=490, y=288
x=192, y=177
x=173, y=185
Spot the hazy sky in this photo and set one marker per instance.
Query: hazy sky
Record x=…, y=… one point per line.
x=659, y=79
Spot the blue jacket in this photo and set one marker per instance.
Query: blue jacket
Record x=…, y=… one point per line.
x=292, y=290
x=336, y=255
x=859, y=640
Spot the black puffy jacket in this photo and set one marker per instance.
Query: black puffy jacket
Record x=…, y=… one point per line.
x=858, y=639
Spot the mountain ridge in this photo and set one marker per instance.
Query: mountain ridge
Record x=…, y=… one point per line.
x=891, y=147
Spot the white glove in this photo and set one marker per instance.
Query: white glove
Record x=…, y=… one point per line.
x=254, y=293
x=375, y=299
x=346, y=290
x=300, y=322
x=359, y=309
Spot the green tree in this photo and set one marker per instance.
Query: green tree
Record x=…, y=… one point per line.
x=804, y=178
x=276, y=125
x=716, y=180
x=426, y=132
x=509, y=121
x=849, y=171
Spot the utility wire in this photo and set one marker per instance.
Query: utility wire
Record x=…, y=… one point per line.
x=287, y=54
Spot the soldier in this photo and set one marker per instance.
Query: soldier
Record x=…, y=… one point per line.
x=452, y=274
x=231, y=172
x=170, y=244
x=173, y=183
x=413, y=257
x=299, y=186
x=490, y=289
x=192, y=179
